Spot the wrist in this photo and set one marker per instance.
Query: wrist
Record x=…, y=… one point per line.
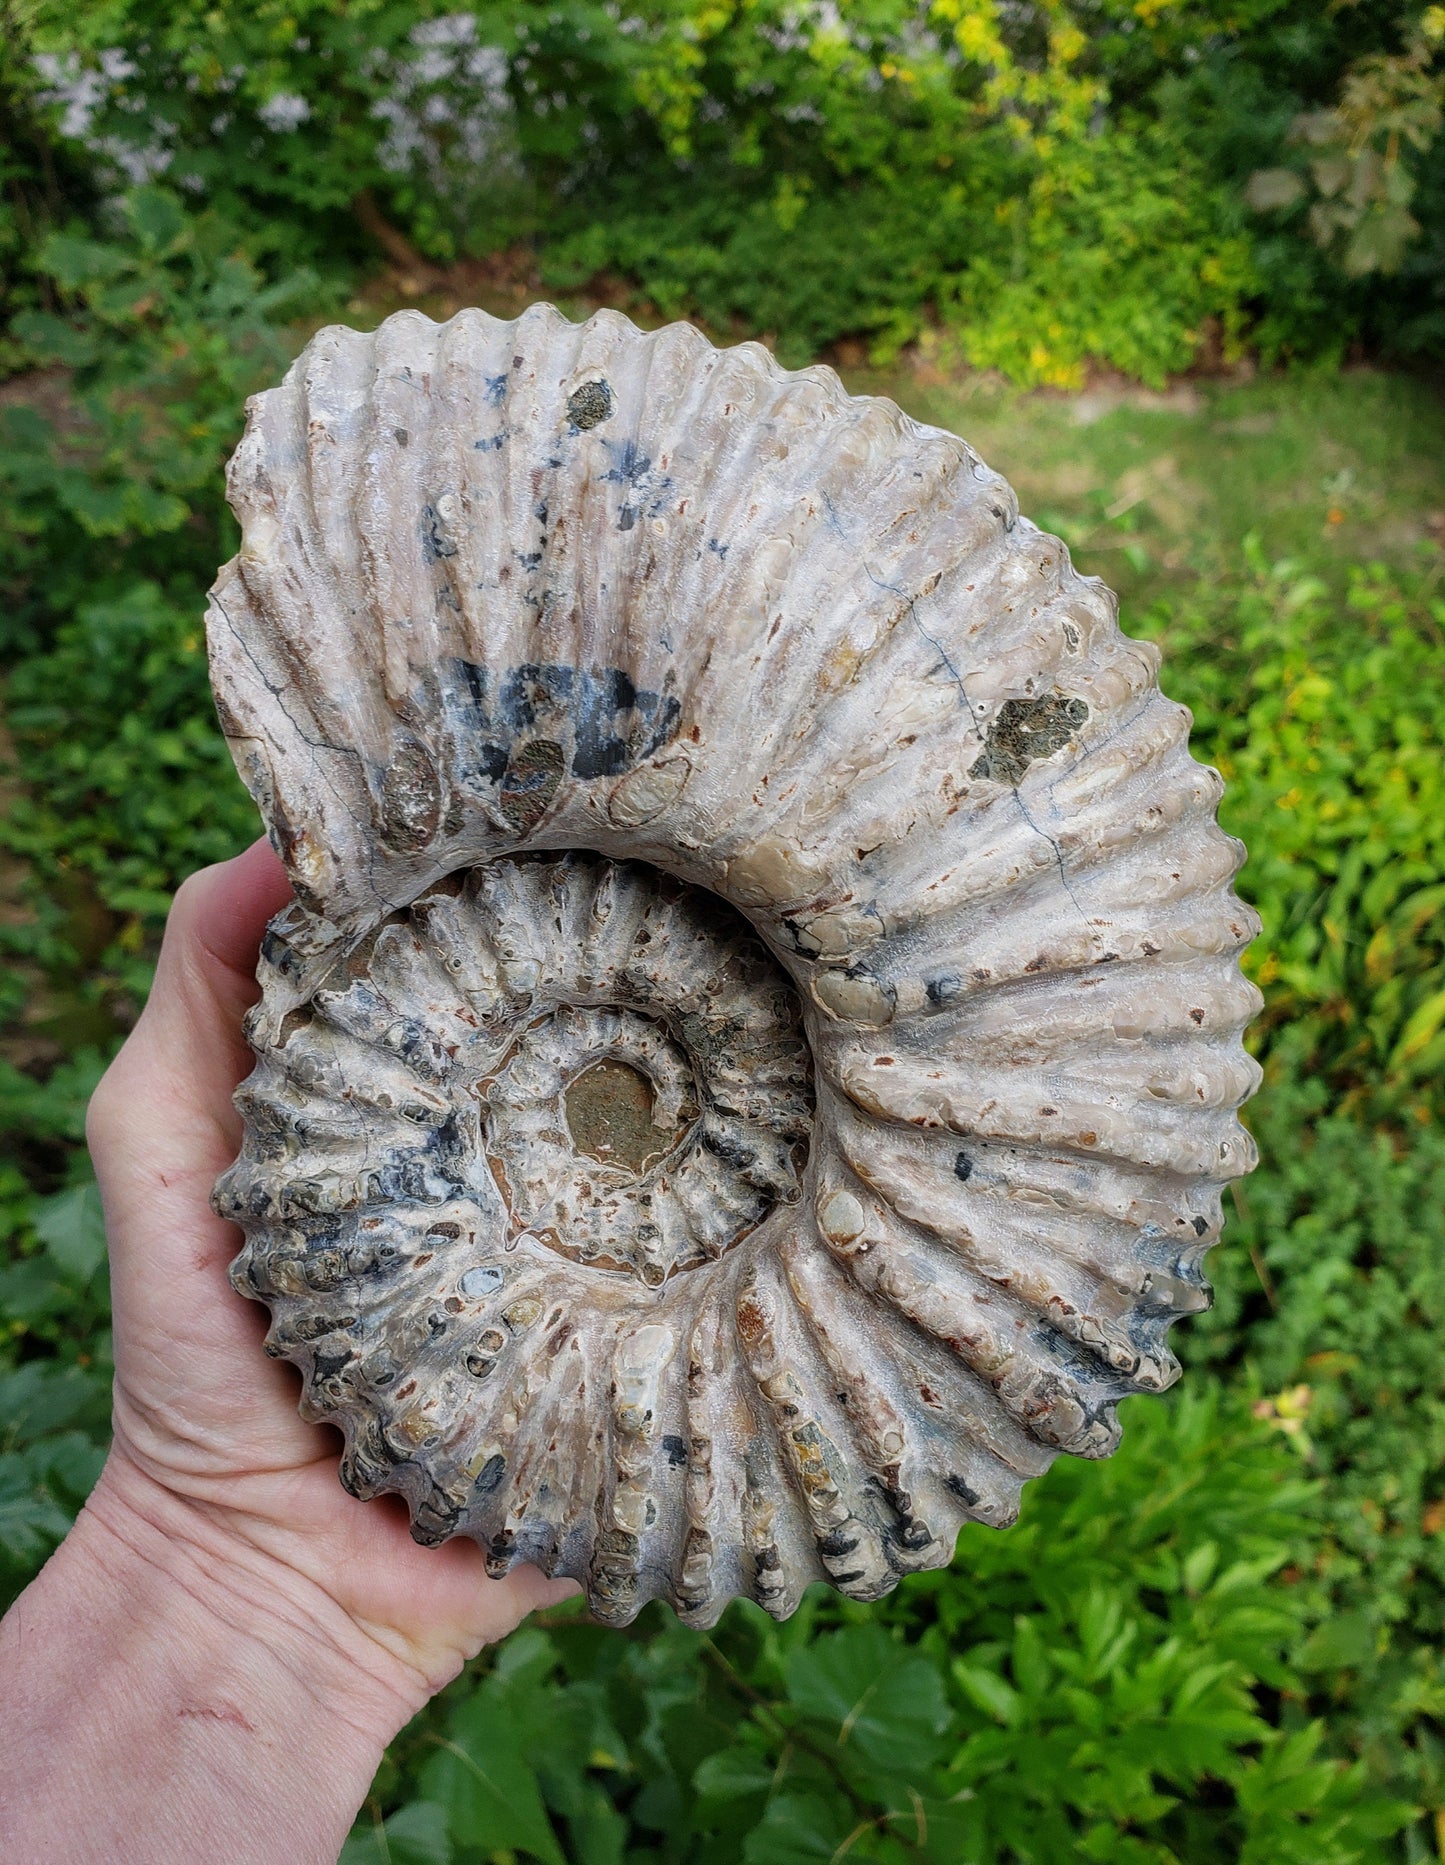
x=166, y=1678
x=238, y=1590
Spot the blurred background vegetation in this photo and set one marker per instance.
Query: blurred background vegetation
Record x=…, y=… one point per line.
x=1177, y=267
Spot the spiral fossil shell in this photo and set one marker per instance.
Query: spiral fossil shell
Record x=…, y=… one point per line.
x=751, y=1067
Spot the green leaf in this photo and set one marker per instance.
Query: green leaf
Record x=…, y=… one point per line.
x=525, y=1658
x=45, y=1396
x=484, y=1780
x=75, y=262
x=1199, y=1564
x=1270, y=189
x=414, y=1835
x=1381, y=1818
x=1030, y=1659
x=597, y=1832
x=732, y=1774
x=30, y=1522
x=1342, y=1642
x=990, y=1692
x=1419, y=1028
x=876, y=1699
x=945, y=1832
x=1378, y=243
x=71, y=1225
x=797, y=1829
x=156, y=214
x=31, y=1290
x=104, y=510
x=53, y=339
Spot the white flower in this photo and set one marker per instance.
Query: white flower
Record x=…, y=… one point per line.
x=285, y=111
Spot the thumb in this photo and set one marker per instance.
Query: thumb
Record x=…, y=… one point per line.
x=161, y=1121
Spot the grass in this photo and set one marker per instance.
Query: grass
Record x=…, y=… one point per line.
x=1154, y=490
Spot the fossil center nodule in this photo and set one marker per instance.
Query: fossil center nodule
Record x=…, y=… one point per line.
x=612, y=1116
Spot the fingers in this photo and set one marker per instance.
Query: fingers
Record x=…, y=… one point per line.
x=188, y=1047
x=206, y=977
x=161, y=1125
x=491, y=1611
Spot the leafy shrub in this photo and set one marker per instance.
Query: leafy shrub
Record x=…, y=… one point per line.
x=1119, y=254
x=163, y=330
x=1086, y=1685
x=138, y=784
x=1061, y=182
x=1322, y=712
x=54, y=1316
x=1333, y=1290
x=1357, y=166
x=1111, y=252
x=112, y=522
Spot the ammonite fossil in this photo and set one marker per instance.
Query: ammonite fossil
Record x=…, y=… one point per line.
x=750, y=1070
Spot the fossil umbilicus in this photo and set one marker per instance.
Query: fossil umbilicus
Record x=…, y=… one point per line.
x=750, y=1070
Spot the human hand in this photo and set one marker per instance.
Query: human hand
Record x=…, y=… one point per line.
x=228, y=1609
x=205, y=1424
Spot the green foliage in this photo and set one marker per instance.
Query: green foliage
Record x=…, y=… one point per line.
x=1112, y=252
x=1222, y=1644
x=1334, y=1288
x=851, y=180
x=54, y=1334
x=1323, y=715
x=112, y=522
x=138, y=786
x=1060, y=183
x=1358, y=166
x=1087, y=1685
x=1119, y=254
x=161, y=329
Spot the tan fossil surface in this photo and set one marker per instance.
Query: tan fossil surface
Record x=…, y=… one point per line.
x=750, y=1071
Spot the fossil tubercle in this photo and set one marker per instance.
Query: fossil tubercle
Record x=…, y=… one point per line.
x=749, y=1073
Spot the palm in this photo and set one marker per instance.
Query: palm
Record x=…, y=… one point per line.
x=199, y=1409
